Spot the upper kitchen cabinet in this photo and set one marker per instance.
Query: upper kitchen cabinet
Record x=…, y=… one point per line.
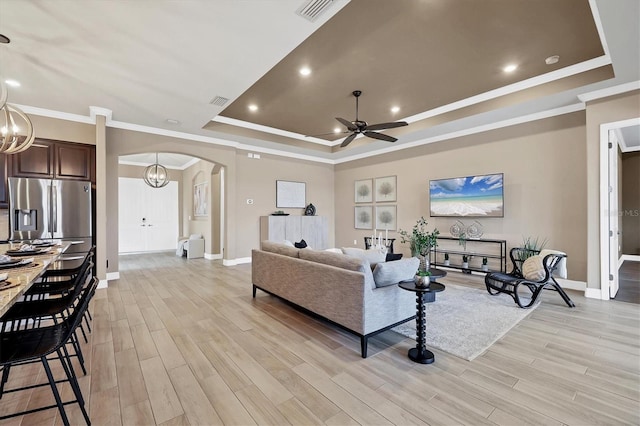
x=55, y=160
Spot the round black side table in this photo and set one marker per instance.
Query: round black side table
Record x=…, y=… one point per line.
x=424, y=295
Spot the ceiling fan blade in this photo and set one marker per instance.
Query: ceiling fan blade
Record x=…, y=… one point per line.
x=349, y=125
x=376, y=135
x=383, y=126
x=348, y=140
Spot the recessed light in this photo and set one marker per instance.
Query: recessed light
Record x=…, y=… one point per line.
x=552, y=60
x=13, y=83
x=253, y=107
x=395, y=109
x=305, y=71
x=172, y=121
x=510, y=68
x=336, y=130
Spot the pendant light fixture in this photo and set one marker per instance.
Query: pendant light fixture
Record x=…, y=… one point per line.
x=16, y=129
x=156, y=175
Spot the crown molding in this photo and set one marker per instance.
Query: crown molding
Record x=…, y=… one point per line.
x=610, y=91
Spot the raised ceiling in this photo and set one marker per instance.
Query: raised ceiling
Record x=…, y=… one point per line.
x=439, y=61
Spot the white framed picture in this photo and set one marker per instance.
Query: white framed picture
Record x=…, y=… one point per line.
x=290, y=194
x=385, y=189
x=200, y=199
x=363, y=217
x=386, y=218
x=363, y=191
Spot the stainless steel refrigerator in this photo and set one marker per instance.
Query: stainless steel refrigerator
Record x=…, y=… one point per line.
x=51, y=208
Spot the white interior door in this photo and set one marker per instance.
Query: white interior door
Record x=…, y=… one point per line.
x=148, y=217
x=614, y=229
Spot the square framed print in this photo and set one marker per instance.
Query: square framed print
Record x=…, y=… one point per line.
x=363, y=217
x=386, y=189
x=386, y=218
x=200, y=199
x=290, y=194
x=363, y=191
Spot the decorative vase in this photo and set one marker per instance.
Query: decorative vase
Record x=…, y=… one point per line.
x=465, y=265
x=422, y=280
x=424, y=263
x=447, y=263
x=485, y=268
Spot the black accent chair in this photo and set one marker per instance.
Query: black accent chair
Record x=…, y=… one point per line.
x=524, y=291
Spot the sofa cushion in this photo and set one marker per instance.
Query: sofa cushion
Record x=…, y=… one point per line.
x=390, y=273
x=279, y=248
x=373, y=256
x=340, y=261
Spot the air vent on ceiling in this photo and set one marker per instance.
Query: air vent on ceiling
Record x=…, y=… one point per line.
x=219, y=101
x=312, y=9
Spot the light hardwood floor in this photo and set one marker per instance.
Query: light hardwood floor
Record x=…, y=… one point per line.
x=179, y=341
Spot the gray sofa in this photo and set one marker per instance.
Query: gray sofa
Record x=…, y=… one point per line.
x=337, y=287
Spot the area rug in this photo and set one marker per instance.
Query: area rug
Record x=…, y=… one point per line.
x=466, y=321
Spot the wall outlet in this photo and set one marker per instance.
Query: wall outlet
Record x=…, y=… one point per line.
x=256, y=155
x=355, y=242
x=249, y=200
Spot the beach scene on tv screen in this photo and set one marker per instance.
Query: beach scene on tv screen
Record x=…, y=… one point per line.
x=467, y=196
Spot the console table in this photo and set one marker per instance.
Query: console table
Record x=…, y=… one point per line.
x=476, y=249
x=424, y=295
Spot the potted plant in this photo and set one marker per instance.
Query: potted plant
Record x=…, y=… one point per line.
x=485, y=266
x=421, y=241
x=465, y=261
x=446, y=259
x=422, y=278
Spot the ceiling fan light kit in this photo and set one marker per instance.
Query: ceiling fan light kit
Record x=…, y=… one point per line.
x=358, y=126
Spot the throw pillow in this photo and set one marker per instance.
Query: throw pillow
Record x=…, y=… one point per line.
x=393, y=256
x=373, y=256
x=533, y=269
x=301, y=244
x=391, y=273
x=288, y=243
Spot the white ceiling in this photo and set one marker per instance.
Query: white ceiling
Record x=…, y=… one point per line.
x=152, y=60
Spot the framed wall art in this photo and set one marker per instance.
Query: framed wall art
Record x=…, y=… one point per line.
x=385, y=188
x=386, y=217
x=200, y=199
x=290, y=194
x=364, y=217
x=363, y=191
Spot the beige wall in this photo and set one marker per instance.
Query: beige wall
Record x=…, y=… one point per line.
x=196, y=174
x=615, y=108
x=544, y=184
x=630, y=203
x=257, y=181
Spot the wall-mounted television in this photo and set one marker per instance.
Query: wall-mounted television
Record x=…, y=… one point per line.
x=470, y=196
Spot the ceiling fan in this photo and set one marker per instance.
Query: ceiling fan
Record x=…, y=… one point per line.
x=361, y=127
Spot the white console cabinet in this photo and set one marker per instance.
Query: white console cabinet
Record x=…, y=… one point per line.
x=313, y=229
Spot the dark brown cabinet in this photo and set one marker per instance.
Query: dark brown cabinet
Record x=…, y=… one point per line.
x=55, y=160
x=48, y=159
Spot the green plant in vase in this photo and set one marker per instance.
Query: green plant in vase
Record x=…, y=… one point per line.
x=485, y=266
x=421, y=241
x=422, y=278
x=446, y=259
x=465, y=261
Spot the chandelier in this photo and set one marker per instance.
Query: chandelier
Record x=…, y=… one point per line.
x=156, y=175
x=16, y=129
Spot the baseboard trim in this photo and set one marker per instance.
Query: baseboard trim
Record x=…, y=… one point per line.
x=572, y=285
x=234, y=262
x=215, y=256
x=593, y=293
x=113, y=276
x=103, y=284
x=629, y=257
